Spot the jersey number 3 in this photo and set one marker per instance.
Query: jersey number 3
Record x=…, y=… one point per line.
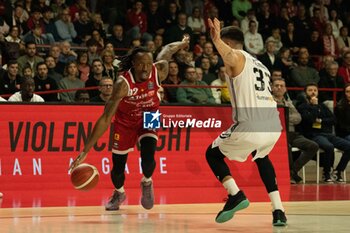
x=260, y=84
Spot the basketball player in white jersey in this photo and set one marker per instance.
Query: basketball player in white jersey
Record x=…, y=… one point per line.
x=256, y=126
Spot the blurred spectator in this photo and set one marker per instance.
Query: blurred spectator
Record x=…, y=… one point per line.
x=30, y=58
x=170, y=15
x=110, y=70
x=76, y=8
x=317, y=21
x=4, y=28
x=317, y=124
x=253, y=40
x=335, y=22
x=105, y=88
x=199, y=45
x=177, y=32
x=266, y=20
x=172, y=79
x=83, y=65
x=282, y=19
x=240, y=8
x=343, y=40
x=269, y=59
x=208, y=51
x=35, y=19
x=95, y=76
x=221, y=95
x=119, y=41
x=136, y=17
x=276, y=38
x=14, y=35
x=330, y=79
x=83, y=27
x=291, y=8
x=342, y=113
x=158, y=43
x=287, y=64
x=57, y=7
x=36, y=36
x=155, y=18
x=199, y=72
x=323, y=10
x=51, y=65
x=330, y=46
x=295, y=139
x=66, y=55
x=315, y=44
x=17, y=17
x=27, y=72
x=26, y=94
x=10, y=80
x=70, y=81
x=96, y=36
x=55, y=51
x=208, y=76
x=161, y=95
x=195, y=95
x=43, y=82
x=304, y=74
x=196, y=23
x=302, y=23
x=245, y=21
x=344, y=69
x=81, y=96
x=49, y=23
x=92, y=50
x=65, y=27
x=290, y=38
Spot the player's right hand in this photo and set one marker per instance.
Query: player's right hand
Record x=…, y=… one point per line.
x=81, y=157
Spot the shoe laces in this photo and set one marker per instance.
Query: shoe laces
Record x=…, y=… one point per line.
x=115, y=196
x=147, y=189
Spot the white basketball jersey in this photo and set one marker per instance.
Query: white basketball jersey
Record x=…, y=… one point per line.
x=250, y=94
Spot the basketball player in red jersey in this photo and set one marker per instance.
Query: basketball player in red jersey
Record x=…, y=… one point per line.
x=134, y=92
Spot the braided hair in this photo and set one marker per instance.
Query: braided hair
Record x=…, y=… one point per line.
x=126, y=61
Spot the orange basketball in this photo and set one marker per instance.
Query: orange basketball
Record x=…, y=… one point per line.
x=84, y=177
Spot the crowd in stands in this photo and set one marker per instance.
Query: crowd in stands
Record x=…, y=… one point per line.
x=73, y=44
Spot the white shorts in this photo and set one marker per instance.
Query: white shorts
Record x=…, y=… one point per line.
x=239, y=143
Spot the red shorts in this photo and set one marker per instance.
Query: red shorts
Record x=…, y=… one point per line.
x=125, y=138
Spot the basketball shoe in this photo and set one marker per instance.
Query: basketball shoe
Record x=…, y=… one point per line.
x=233, y=204
x=115, y=200
x=147, y=199
x=279, y=218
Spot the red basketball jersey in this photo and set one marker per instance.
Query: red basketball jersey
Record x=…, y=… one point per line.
x=142, y=97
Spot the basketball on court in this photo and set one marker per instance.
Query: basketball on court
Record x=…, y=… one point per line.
x=84, y=177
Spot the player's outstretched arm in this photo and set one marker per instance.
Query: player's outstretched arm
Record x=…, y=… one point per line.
x=120, y=90
x=230, y=55
x=170, y=49
x=166, y=54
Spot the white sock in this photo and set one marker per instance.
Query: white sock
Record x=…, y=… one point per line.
x=276, y=200
x=144, y=179
x=231, y=186
x=121, y=190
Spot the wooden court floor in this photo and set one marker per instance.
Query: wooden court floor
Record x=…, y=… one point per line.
x=303, y=217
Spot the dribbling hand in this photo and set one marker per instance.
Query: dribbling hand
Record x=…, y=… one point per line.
x=81, y=157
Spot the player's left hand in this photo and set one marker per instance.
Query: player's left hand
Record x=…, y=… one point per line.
x=214, y=26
